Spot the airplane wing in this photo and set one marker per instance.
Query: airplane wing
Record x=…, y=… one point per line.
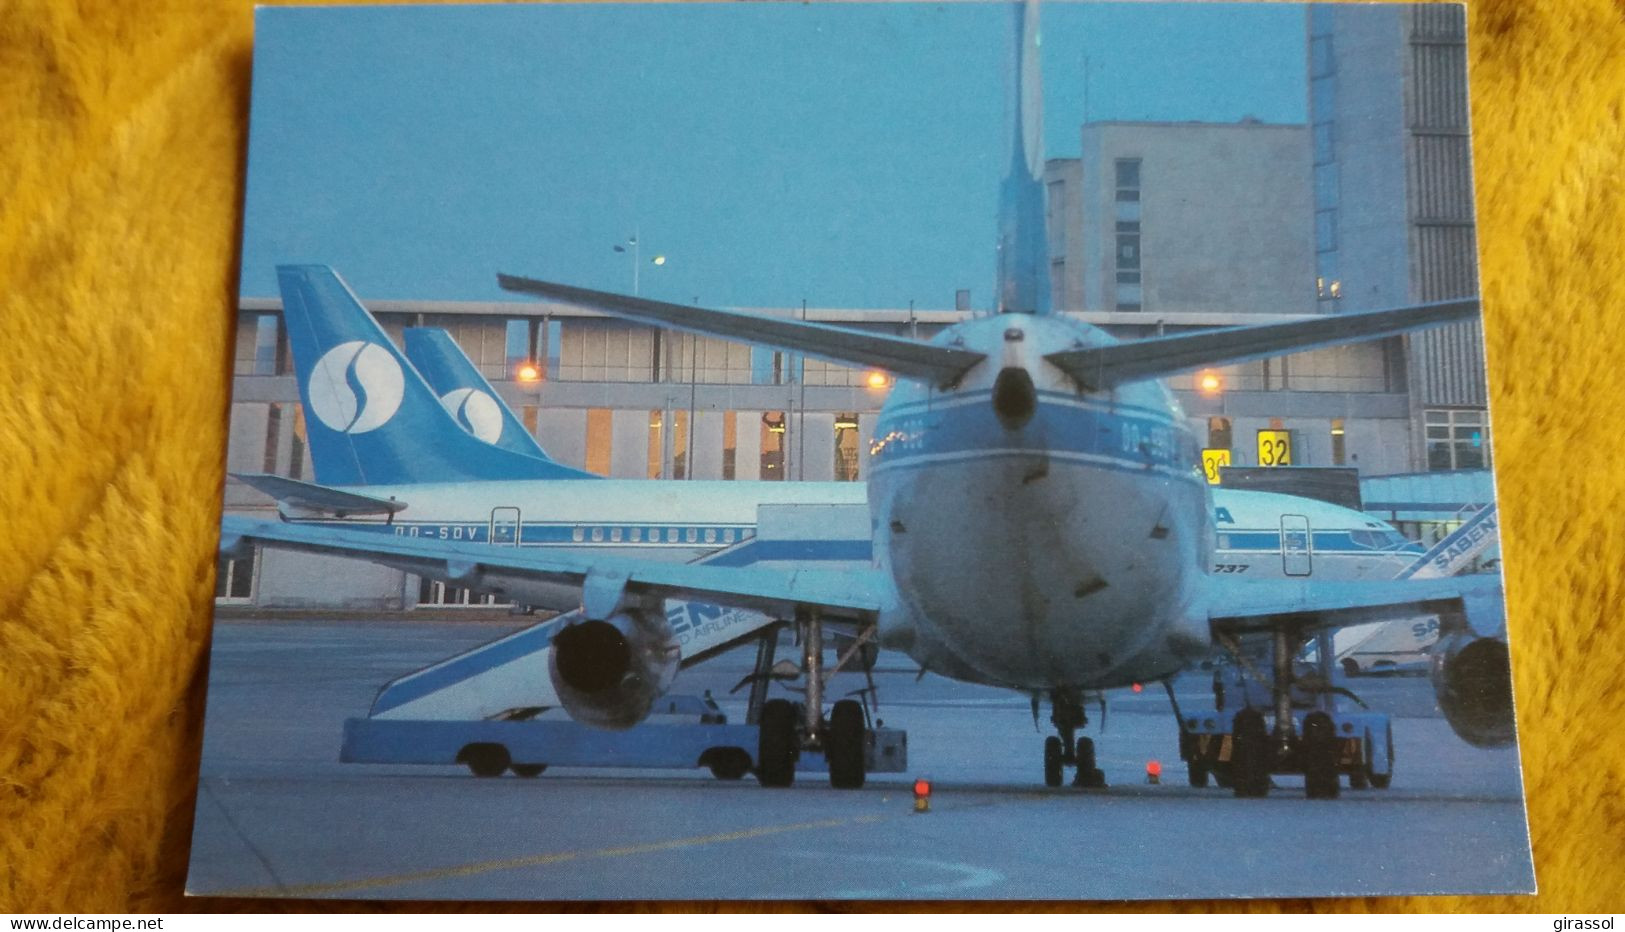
x=1103, y=367
x=1241, y=607
x=307, y=499
x=939, y=365
x=514, y=571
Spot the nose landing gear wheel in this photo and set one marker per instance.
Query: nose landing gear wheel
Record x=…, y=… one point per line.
x=1053, y=758
x=844, y=750
x=1088, y=776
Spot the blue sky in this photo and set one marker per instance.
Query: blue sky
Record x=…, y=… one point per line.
x=845, y=154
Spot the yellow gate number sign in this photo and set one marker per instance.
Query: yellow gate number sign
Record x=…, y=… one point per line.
x=1274, y=448
x=1211, y=461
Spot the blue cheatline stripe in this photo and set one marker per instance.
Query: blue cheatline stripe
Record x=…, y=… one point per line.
x=1069, y=430
x=501, y=652
x=537, y=533
x=1324, y=542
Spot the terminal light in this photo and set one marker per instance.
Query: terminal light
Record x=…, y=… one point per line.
x=1209, y=383
x=658, y=260
x=1137, y=687
x=1153, y=771
x=529, y=373
x=878, y=380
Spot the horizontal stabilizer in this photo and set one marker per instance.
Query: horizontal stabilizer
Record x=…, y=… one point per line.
x=309, y=500
x=1103, y=367
x=939, y=365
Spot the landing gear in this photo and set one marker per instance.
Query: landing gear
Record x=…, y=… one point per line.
x=1251, y=757
x=528, y=771
x=1067, y=715
x=785, y=729
x=843, y=745
x=1319, y=751
x=778, y=744
x=1054, y=760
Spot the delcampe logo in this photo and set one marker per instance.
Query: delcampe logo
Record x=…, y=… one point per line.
x=356, y=387
x=476, y=411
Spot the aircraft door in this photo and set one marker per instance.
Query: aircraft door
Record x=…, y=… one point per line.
x=1296, y=547
x=504, y=527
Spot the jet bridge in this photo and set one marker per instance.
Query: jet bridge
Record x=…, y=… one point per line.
x=494, y=708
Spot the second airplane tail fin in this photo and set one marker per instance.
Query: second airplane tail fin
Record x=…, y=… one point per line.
x=370, y=418
x=465, y=393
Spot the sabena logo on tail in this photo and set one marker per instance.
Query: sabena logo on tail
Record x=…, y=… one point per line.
x=477, y=412
x=356, y=387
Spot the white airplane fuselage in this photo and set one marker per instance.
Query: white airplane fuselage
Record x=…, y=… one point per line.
x=1065, y=547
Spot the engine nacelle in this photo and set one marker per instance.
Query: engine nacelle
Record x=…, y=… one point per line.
x=609, y=673
x=1472, y=679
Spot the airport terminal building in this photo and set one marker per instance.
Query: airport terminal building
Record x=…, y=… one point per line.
x=1156, y=228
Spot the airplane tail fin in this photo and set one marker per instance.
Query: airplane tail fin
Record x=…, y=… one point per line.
x=370, y=418
x=1024, y=286
x=465, y=393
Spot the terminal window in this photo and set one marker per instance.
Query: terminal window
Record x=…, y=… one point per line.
x=1457, y=438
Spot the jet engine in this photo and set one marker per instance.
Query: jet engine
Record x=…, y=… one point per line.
x=609, y=672
x=1472, y=675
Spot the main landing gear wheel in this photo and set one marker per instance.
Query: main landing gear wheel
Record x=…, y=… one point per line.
x=1320, y=757
x=485, y=760
x=776, y=744
x=1053, y=759
x=1197, y=772
x=1250, y=754
x=528, y=770
x=844, y=747
x=1088, y=776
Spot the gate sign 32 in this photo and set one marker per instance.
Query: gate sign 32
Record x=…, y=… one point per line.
x=1274, y=448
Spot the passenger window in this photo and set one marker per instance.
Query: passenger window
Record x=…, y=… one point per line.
x=693, y=535
x=577, y=535
x=728, y=536
x=615, y=534
x=710, y=535
x=597, y=534
x=637, y=535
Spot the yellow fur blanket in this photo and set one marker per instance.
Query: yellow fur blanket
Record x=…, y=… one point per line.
x=122, y=131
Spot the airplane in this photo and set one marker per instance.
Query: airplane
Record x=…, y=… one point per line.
x=1077, y=556
x=465, y=394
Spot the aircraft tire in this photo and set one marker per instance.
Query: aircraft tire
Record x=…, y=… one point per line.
x=528, y=770
x=1088, y=776
x=1052, y=761
x=776, y=744
x=1250, y=757
x=1320, y=779
x=845, y=747
x=1197, y=772
x=485, y=760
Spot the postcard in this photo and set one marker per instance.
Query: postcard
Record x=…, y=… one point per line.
x=859, y=450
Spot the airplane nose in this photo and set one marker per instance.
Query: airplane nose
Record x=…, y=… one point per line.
x=1014, y=397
